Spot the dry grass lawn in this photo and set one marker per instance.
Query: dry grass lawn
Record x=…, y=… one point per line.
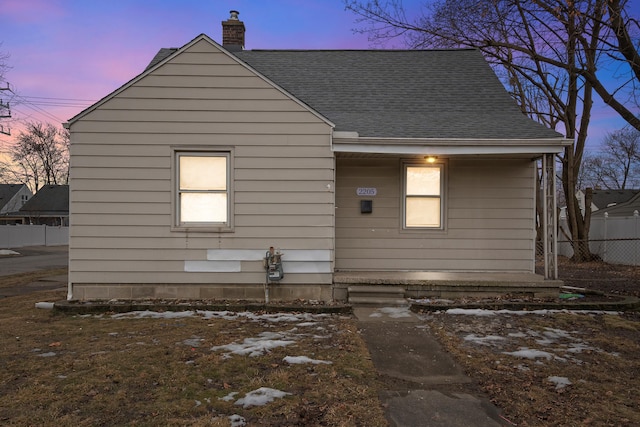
x=546, y=369
x=64, y=370
x=551, y=369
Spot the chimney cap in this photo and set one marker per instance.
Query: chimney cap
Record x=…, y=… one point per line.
x=234, y=15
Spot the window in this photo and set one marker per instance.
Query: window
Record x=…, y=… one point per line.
x=203, y=196
x=423, y=196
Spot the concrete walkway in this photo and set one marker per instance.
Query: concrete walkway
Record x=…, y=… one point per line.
x=424, y=385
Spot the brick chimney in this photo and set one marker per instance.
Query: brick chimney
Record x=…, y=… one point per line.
x=233, y=32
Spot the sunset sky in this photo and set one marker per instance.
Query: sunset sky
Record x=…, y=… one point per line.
x=66, y=54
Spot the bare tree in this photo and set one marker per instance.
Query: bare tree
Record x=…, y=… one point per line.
x=39, y=156
x=617, y=166
x=549, y=54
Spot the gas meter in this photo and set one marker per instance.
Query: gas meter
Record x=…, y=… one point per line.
x=273, y=265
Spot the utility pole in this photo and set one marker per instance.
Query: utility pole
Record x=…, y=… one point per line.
x=5, y=111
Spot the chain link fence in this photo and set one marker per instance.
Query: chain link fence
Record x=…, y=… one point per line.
x=624, y=251
x=614, y=240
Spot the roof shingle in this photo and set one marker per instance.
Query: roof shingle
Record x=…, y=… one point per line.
x=400, y=93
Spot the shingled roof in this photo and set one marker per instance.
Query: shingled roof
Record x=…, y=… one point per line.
x=605, y=198
x=400, y=93
x=7, y=192
x=449, y=94
x=49, y=200
x=626, y=208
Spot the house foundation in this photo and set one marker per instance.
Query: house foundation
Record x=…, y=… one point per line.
x=350, y=285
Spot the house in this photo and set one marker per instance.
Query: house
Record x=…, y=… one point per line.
x=601, y=199
x=49, y=206
x=628, y=207
x=358, y=166
x=12, y=198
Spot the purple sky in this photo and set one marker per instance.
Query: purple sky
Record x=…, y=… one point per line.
x=66, y=54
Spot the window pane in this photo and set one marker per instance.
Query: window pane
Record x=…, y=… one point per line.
x=422, y=212
x=203, y=207
x=203, y=173
x=423, y=181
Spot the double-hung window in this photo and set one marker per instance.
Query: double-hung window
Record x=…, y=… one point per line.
x=202, y=189
x=423, y=186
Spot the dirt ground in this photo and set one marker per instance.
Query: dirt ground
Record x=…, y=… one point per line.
x=596, y=275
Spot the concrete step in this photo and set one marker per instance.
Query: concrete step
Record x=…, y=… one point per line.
x=377, y=290
x=377, y=296
x=377, y=301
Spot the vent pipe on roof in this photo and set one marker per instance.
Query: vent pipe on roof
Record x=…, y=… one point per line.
x=233, y=32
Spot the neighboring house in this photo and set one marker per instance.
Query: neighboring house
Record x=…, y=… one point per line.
x=13, y=197
x=627, y=208
x=49, y=206
x=601, y=199
x=351, y=162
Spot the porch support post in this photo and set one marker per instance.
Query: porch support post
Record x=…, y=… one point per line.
x=549, y=224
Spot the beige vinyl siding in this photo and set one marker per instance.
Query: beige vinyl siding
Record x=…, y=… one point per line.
x=121, y=175
x=488, y=218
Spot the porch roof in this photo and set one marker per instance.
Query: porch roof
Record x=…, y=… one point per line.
x=350, y=142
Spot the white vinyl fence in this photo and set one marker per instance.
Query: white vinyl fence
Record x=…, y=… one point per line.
x=614, y=239
x=17, y=236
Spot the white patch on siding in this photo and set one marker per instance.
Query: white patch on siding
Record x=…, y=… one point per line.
x=294, y=260
x=212, y=267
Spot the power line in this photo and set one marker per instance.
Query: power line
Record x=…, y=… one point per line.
x=34, y=107
x=58, y=102
x=60, y=99
x=40, y=111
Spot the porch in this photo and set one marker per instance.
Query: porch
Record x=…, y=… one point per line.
x=355, y=286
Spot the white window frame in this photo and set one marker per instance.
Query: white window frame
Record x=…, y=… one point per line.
x=177, y=223
x=441, y=166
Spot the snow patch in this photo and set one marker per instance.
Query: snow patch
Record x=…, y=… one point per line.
x=193, y=342
x=260, y=397
x=229, y=397
x=542, y=312
x=237, y=420
x=227, y=315
x=8, y=252
x=254, y=347
x=299, y=360
x=527, y=353
x=471, y=311
x=560, y=382
x=486, y=340
x=147, y=314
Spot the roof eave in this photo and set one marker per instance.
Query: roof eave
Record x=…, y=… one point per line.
x=348, y=143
